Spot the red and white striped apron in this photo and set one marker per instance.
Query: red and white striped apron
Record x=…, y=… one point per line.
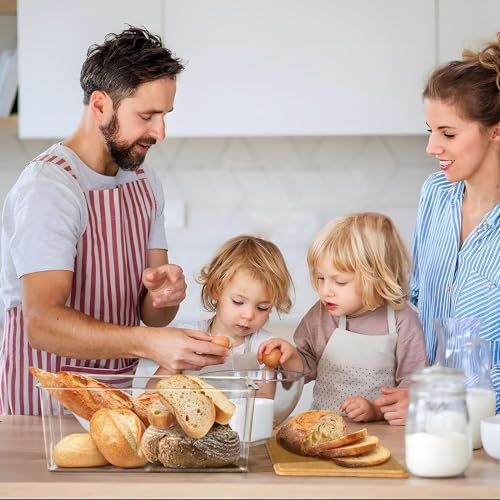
x=107, y=285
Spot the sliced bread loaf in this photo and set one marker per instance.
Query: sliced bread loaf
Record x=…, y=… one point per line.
x=194, y=411
x=361, y=447
x=377, y=456
x=308, y=429
x=347, y=439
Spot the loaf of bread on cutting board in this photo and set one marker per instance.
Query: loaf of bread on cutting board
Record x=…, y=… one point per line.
x=322, y=433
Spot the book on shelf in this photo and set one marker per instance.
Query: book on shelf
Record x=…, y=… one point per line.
x=8, y=80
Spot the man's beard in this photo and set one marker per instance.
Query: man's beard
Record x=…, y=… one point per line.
x=122, y=153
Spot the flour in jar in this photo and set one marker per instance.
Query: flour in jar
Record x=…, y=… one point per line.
x=437, y=455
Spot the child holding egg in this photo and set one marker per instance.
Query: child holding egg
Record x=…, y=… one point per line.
x=362, y=334
x=244, y=281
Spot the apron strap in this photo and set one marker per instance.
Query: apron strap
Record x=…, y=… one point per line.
x=391, y=321
x=342, y=322
x=248, y=344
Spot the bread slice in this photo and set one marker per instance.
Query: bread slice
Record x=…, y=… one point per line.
x=377, y=456
x=347, y=439
x=158, y=414
x=308, y=429
x=194, y=411
x=362, y=447
x=224, y=409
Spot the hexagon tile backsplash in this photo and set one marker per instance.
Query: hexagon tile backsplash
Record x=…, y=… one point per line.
x=282, y=188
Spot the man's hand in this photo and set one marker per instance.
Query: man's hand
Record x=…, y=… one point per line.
x=393, y=404
x=178, y=349
x=166, y=284
x=360, y=409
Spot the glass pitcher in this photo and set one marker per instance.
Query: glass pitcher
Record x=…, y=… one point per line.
x=459, y=346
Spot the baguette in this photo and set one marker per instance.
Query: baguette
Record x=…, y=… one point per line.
x=117, y=434
x=308, y=429
x=224, y=409
x=85, y=395
x=194, y=411
x=362, y=447
x=78, y=450
x=377, y=456
x=337, y=443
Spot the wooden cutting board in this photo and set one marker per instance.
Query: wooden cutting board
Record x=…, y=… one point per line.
x=289, y=464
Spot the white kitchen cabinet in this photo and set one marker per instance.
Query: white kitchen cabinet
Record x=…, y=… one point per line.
x=53, y=38
x=253, y=67
x=465, y=24
x=291, y=67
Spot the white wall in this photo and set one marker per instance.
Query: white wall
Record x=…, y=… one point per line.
x=284, y=189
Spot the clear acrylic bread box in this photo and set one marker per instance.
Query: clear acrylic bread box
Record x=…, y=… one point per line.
x=59, y=422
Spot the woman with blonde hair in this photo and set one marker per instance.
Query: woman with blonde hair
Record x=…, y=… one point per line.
x=362, y=333
x=456, y=250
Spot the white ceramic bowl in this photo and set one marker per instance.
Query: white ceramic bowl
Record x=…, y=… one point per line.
x=490, y=435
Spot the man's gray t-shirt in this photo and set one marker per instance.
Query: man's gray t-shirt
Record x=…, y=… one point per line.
x=45, y=213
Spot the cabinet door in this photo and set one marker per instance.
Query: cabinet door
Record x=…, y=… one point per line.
x=295, y=67
x=53, y=38
x=466, y=24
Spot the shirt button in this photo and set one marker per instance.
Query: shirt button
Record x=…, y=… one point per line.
x=489, y=286
x=484, y=223
x=448, y=288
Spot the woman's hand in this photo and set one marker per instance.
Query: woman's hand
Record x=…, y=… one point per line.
x=393, y=404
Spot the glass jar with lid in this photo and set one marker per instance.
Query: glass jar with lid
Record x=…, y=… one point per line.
x=437, y=434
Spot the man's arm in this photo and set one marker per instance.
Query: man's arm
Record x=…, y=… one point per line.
x=54, y=327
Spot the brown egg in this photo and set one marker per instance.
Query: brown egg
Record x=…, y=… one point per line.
x=272, y=359
x=221, y=340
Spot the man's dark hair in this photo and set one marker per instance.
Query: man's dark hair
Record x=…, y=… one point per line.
x=124, y=61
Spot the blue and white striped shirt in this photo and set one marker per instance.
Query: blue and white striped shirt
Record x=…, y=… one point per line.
x=453, y=282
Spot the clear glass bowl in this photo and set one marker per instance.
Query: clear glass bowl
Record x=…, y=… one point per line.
x=277, y=394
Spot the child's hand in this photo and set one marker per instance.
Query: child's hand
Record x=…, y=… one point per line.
x=287, y=350
x=360, y=409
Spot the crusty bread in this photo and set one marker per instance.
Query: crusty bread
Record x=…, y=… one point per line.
x=158, y=414
x=224, y=409
x=117, y=434
x=194, y=411
x=362, y=447
x=78, y=450
x=173, y=449
x=377, y=456
x=308, y=429
x=84, y=395
x=344, y=440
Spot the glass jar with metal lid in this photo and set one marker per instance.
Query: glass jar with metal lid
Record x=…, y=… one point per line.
x=437, y=434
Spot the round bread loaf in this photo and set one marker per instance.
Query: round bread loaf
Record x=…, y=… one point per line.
x=172, y=448
x=117, y=434
x=305, y=431
x=78, y=450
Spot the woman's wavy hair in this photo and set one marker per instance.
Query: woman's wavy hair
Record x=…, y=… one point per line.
x=472, y=84
x=368, y=245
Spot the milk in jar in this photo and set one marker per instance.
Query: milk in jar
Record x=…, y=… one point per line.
x=480, y=403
